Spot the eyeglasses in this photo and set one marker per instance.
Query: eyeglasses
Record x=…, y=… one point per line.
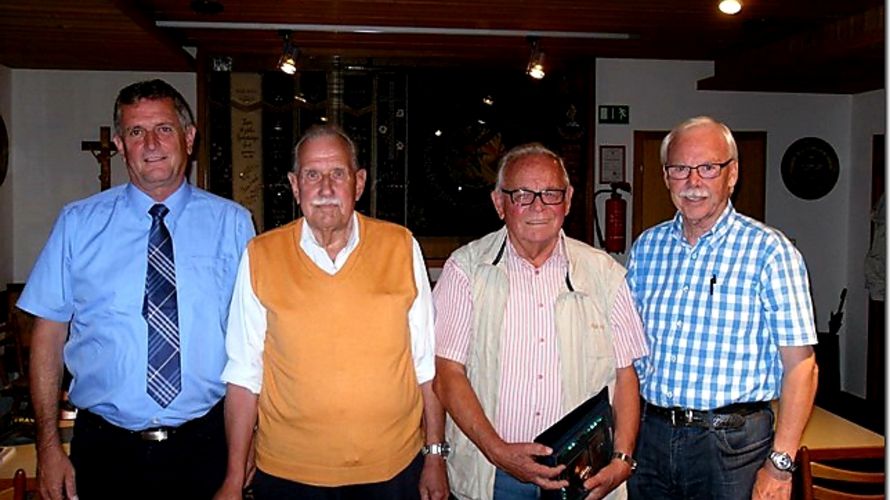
x=525, y=197
x=705, y=170
x=336, y=175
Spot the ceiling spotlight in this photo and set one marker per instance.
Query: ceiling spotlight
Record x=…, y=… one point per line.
x=288, y=60
x=535, y=68
x=730, y=7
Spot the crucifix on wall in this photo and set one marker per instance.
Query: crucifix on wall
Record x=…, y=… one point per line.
x=103, y=150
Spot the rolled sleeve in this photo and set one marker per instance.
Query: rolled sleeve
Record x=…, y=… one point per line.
x=420, y=321
x=245, y=333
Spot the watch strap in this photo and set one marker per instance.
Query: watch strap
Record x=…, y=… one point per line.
x=624, y=457
x=442, y=449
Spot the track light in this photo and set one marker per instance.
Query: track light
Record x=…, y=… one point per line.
x=288, y=60
x=535, y=68
x=730, y=7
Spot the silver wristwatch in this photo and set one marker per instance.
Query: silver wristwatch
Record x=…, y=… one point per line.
x=442, y=449
x=781, y=461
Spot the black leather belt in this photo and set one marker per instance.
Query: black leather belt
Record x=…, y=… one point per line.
x=725, y=417
x=156, y=434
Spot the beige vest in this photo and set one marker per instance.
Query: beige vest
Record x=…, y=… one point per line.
x=587, y=361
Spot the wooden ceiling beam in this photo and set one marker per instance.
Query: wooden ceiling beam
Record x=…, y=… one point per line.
x=814, y=59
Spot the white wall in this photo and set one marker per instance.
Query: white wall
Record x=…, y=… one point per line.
x=6, y=207
x=663, y=93
x=53, y=111
x=868, y=118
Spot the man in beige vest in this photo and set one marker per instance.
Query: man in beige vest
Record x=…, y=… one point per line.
x=330, y=348
x=530, y=324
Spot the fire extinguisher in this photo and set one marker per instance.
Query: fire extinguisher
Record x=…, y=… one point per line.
x=615, y=220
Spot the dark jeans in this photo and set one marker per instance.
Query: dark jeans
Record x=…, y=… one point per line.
x=507, y=487
x=404, y=486
x=114, y=463
x=698, y=462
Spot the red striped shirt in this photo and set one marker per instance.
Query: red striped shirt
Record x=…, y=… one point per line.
x=530, y=391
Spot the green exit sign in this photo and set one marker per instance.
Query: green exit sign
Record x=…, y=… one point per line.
x=614, y=114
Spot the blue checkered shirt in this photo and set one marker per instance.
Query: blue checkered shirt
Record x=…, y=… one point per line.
x=716, y=313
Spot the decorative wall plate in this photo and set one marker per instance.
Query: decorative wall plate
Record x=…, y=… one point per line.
x=810, y=168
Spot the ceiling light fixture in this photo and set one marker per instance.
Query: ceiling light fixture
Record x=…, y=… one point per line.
x=288, y=60
x=535, y=68
x=730, y=7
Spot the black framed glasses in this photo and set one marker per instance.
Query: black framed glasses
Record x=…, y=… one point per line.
x=705, y=170
x=526, y=197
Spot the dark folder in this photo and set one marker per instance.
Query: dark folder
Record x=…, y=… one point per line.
x=582, y=440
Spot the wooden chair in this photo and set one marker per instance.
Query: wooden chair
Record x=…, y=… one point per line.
x=24, y=488
x=841, y=473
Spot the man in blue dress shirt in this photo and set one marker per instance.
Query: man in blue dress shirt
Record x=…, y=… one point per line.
x=726, y=305
x=91, y=291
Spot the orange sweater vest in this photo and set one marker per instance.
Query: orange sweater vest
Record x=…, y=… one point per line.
x=340, y=403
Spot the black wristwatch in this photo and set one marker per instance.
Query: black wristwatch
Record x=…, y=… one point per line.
x=443, y=449
x=782, y=461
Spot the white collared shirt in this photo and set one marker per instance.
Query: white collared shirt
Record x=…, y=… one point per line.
x=246, y=332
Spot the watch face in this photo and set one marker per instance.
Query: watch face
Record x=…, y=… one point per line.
x=782, y=461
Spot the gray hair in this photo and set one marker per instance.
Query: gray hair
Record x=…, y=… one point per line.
x=523, y=150
x=317, y=131
x=152, y=90
x=696, y=122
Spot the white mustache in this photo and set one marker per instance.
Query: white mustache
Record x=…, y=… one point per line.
x=694, y=192
x=318, y=202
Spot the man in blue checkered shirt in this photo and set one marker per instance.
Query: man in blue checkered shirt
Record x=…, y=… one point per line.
x=726, y=305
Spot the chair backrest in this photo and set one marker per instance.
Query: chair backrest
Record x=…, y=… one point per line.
x=24, y=488
x=855, y=473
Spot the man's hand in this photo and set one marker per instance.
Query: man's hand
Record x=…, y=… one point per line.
x=55, y=474
x=230, y=490
x=607, y=479
x=771, y=484
x=518, y=460
x=434, y=479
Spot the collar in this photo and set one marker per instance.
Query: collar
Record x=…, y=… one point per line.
x=711, y=236
x=307, y=237
x=175, y=203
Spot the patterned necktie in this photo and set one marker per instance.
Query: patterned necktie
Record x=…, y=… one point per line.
x=161, y=313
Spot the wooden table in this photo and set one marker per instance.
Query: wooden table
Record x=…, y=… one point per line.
x=827, y=430
x=824, y=430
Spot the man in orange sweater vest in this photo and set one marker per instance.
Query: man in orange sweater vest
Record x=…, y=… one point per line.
x=330, y=346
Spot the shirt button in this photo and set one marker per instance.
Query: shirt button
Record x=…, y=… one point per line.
x=670, y=395
x=537, y=272
x=686, y=288
x=541, y=340
x=679, y=323
x=540, y=305
x=537, y=414
x=673, y=358
x=540, y=377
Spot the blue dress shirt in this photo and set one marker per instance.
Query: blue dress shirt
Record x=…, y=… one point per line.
x=717, y=312
x=91, y=274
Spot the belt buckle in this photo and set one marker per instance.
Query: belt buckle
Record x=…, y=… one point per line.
x=686, y=416
x=154, y=435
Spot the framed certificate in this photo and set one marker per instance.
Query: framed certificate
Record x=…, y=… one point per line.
x=612, y=164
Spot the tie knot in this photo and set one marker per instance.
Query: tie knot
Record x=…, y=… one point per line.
x=159, y=210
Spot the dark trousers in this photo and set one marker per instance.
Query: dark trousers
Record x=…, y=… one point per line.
x=114, y=463
x=699, y=462
x=404, y=486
